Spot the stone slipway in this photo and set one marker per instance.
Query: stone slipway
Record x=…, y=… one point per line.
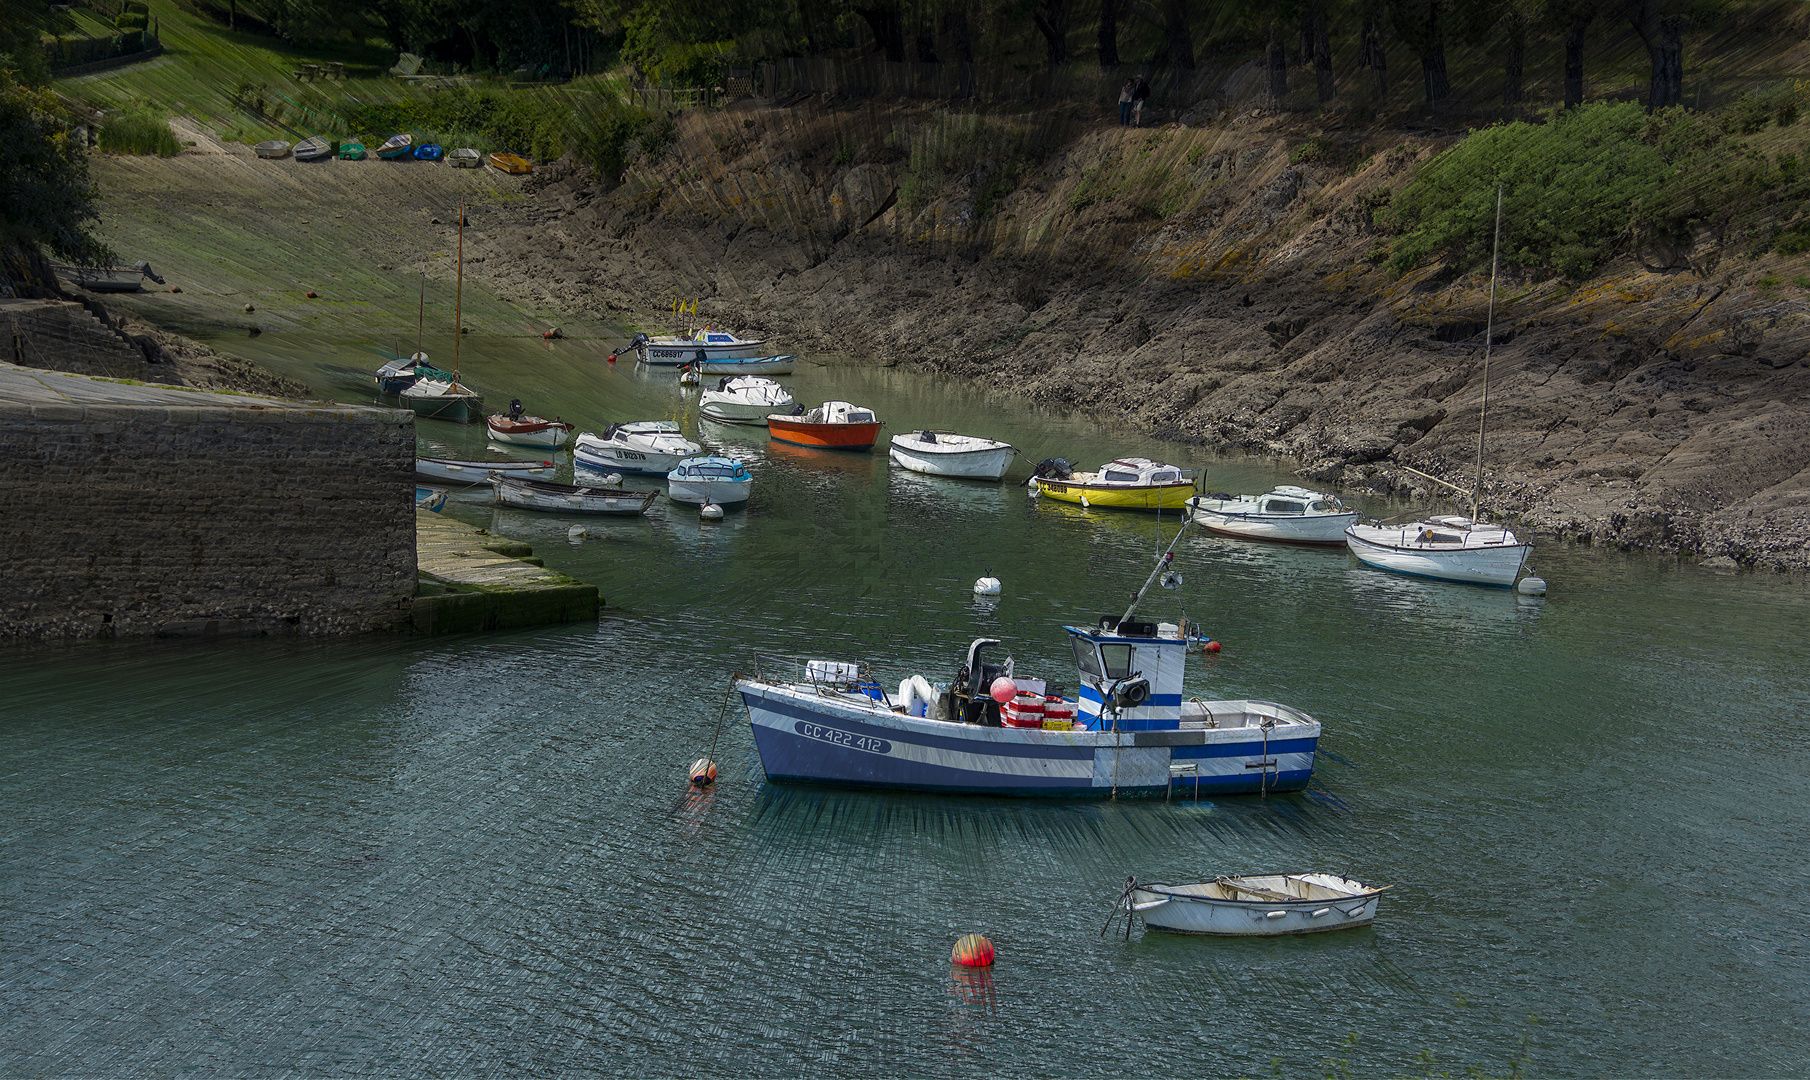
x=472, y=580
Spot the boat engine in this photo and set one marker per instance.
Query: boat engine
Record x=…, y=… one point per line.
x=1054, y=468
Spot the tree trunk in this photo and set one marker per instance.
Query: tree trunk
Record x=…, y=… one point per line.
x=955, y=24
x=1663, y=36
x=1277, y=66
x=1574, y=63
x=888, y=31
x=1109, y=34
x=1178, y=36
x=1322, y=55
x=1051, y=17
x=232, y=14
x=1432, y=70
x=1514, y=56
x=1375, y=57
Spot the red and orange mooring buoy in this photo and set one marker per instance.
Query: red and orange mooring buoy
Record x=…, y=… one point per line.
x=973, y=950
x=702, y=772
x=1211, y=646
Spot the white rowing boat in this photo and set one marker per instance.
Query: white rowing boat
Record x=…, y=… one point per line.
x=1254, y=905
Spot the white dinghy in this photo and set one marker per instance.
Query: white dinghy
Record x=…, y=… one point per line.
x=944, y=453
x=1253, y=905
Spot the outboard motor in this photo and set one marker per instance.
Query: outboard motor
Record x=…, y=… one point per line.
x=1054, y=468
x=515, y=408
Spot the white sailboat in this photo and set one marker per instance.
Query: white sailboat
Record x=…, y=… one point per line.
x=1452, y=547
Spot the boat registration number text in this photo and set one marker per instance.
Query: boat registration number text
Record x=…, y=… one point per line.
x=838, y=737
x=1056, y=488
x=631, y=455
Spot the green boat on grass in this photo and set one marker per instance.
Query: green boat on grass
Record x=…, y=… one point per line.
x=352, y=151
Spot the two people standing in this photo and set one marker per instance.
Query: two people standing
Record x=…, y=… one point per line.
x=1131, y=101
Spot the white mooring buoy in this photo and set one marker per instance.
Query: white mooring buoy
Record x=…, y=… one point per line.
x=1532, y=586
x=987, y=586
x=710, y=512
x=577, y=533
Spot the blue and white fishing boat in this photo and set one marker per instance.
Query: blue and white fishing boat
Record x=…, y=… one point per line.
x=706, y=480
x=701, y=346
x=751, y=365
x=1133, y=734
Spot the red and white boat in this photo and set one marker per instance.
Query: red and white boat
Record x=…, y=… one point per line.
x=528, y=430
x=833, y=425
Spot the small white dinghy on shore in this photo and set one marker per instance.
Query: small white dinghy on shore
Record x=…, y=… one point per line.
x=1251, y=905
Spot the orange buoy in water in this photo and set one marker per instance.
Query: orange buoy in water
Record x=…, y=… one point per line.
x=973, y=950
x=1211, y=646
x=702, y=772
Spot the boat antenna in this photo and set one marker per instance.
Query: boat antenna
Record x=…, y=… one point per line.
x=1489, y=342
x=1162, y=563
x=421, y=314
x=459, y=294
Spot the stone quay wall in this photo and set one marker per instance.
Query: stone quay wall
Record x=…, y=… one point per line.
x=173, y=520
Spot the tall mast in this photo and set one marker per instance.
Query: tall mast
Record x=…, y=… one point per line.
x=459, y=295
x=1162, y=563
x=421, y=314
x=1489, y=342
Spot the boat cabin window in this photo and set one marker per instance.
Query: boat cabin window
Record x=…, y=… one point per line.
x=1118, y=660
x=1323, y=507
x=1165, y=476
x=1086, y=659
x=1113, y=474
x=1284, y=506
x=860, y=416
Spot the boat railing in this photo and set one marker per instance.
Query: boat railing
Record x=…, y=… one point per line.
x=813, y=670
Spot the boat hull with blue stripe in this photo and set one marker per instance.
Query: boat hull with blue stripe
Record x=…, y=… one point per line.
x=1134, y=735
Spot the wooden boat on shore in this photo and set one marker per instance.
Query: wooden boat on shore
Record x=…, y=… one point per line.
x=1286, y=515
x=944, y=453
x=429, y=152
x=1132, y=483
x=526, y=494
x=744, y=399
x=465, y=158
x=275, y=148
x=472, y=473
x=110, y=279
x=527, y=430
x=1254, y=905
x=833, y=425
x=313, y=148
x=705, y=480
x=396, y=147
x=513, y=164
x=352, y=151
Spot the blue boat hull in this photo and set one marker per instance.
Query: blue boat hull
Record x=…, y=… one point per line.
x=812, y=738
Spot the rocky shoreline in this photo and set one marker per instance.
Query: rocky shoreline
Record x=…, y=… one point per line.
x=1662, y=406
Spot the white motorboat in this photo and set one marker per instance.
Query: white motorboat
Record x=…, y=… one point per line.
x=1254, y=905
x=1286, y=514
x=471, y=473
x=700, y=346
x=1450, y=548
x=752, y=365
x=744, y=399
x=705, y=480
x=943, y=453
x=647, y=446
x=527, y=494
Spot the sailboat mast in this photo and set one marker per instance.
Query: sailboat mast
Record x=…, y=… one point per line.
x=421, y=314
x=1489, y=342
x=459, y=294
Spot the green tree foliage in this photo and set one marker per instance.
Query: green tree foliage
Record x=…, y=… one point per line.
x=46, y=197
x=1587, y=185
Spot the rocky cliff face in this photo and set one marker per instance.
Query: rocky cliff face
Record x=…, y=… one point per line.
x=1218, y=281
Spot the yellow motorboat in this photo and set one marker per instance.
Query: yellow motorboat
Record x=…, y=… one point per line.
x=1132, y=483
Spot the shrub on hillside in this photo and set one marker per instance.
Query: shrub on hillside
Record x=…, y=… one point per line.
x=1579, y=189
x=139, y=131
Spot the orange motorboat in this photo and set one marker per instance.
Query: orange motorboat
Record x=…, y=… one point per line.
x=833, y=425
